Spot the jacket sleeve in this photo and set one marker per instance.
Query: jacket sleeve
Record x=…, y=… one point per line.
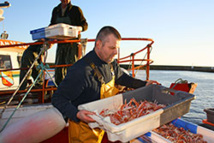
x=81, y=19
x=68, y=90
x=53, y=16
x=124, y=79
x=130, y=82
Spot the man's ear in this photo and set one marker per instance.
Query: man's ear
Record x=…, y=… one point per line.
x=99, y=44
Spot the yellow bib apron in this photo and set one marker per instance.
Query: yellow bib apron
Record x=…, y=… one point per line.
x=81, y=132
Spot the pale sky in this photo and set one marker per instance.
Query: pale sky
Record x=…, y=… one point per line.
x=183, y=30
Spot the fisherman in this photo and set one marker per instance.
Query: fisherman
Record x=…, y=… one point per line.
x=92, y=78
x=67, y=53
x=28, y=58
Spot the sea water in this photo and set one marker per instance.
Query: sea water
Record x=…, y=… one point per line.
x=204, y=91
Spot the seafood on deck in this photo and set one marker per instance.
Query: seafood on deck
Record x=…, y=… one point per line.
x=130, y=111
x=178, y=135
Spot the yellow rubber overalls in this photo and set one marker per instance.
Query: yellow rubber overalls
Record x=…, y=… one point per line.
x=81, y=132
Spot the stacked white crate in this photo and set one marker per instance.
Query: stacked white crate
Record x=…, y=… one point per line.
x=57, y=31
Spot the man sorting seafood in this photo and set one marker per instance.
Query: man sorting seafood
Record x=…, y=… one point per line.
x=89, y=79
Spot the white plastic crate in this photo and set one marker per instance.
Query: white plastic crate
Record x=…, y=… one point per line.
x=177, y=105
x=57, y=31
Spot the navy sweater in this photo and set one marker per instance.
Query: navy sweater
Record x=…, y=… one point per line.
x=81, y=86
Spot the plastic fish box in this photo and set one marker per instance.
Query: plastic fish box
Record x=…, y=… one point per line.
x=57, y=31
x=177, y=105
x=208, y=135
x=210, y=114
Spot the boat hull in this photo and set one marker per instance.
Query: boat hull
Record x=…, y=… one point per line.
x=36, y=127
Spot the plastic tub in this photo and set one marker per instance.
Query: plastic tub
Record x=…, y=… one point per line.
x=177, y=105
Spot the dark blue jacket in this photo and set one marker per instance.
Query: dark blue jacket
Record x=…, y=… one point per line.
x=81, y=86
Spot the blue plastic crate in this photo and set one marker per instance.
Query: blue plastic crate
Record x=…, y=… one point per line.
x=38, y=33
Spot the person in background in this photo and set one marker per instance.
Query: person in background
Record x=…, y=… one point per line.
x=2, y=65
x=28, y=58
x=67, y=53
x=92, y=78
x=4, y=35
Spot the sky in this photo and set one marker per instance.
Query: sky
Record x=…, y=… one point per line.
x=182, y=30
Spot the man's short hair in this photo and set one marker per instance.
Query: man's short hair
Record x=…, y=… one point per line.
x=105, y=31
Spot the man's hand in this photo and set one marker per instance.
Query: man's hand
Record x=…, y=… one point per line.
x=83, y=116
x=151, y=82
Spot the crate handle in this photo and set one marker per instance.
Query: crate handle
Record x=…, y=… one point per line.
x=168, y=90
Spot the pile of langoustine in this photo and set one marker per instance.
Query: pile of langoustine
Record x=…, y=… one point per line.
x=131, y=110
x=178, y=134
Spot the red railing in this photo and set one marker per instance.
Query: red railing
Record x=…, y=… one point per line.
x=148, y=60
x=126, y=59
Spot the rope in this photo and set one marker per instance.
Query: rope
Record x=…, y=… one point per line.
x=20, y=102
x=42, y=67
x=11, y=98
x=180, y=80
x=144, y=58
x=129, y=66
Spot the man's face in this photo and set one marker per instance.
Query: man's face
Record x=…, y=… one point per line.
x=107, y=50
x=65, y=1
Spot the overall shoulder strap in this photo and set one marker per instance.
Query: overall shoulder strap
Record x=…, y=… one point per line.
x=96, y=71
